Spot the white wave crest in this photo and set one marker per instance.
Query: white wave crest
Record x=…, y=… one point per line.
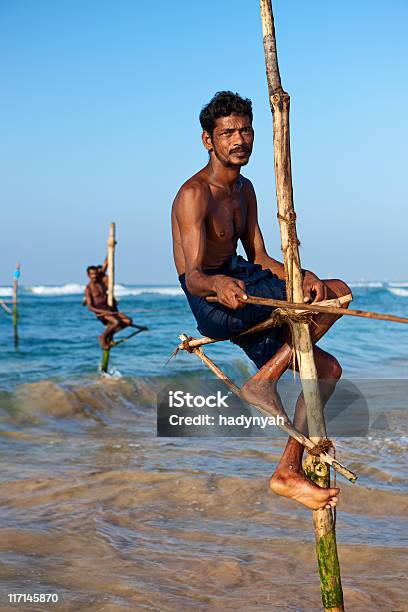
x=398, y=291
x=369, y=284
x=77, y=289
x=122, y=291
x=69, y=289
x=401, y=284
x=6, y=291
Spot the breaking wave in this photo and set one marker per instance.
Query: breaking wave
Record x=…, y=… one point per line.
x=121, y=290
x=399, y=291
x=6, y=291
x=69, y=289
x=396, y=288
x=77, y=289
x=368, y=284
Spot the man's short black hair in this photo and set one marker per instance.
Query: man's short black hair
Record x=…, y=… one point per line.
x=89, y=268
x=223, y=104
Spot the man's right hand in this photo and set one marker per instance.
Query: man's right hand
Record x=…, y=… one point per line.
x=228, y=290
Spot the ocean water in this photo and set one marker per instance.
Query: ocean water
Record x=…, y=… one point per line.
x=58, y=335
x=96, y=508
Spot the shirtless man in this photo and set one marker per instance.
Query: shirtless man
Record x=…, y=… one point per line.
x=212, y=211
x=96, y=298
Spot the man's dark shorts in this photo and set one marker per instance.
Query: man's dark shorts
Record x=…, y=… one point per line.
x=217, y=321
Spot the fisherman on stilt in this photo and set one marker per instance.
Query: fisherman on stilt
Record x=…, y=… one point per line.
x=212, y=211
x=96, y=299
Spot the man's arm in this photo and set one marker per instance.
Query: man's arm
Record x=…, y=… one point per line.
x=314, y=289
x=104, y=266
x=190, y=209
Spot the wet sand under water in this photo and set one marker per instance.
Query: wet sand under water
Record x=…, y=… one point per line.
x=94, y=507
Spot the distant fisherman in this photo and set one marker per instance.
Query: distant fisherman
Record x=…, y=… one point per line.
x=96, y=298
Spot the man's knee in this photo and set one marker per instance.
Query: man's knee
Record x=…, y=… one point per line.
x=338, y=287
x=123, y=319
x=343, y=287
x=333, y=369
x=328, y=368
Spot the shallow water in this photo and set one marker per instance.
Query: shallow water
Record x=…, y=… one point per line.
x=94, y=507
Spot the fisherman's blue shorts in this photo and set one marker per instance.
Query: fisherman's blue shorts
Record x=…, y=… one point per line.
x=218, y=321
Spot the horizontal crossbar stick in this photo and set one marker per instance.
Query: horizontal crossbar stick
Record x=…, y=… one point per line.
x=287, y=428
x=196, y=342
x=6, y=308
x=139, y=327
x=260, y=301
x=138, y=330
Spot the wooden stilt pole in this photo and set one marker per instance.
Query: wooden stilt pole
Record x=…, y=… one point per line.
x=326, y=547
x=105, y=360
x=16, y=277
x=111, y=264
x=111, y=285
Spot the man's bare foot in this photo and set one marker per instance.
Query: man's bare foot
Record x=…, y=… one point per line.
x=263, y=393
x=296, y=485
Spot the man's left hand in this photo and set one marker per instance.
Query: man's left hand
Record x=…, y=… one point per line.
x=313, y=288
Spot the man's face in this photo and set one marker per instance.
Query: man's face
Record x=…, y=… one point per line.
x=232, y=140
x=93, y=275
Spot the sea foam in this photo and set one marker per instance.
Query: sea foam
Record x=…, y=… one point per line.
x=368, y=284
x=69, y=289
x=77, y=289
x=396, y=288
x=6, y=291
x=399, y=291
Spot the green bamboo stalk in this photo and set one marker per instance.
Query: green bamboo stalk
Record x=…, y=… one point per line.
x=326, y=545
x=326, y=548
x=105, y=360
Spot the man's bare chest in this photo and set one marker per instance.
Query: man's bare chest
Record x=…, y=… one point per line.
x=226, y=218
x=98, y=291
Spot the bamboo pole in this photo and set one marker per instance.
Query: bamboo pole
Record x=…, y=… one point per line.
x=16, y=276
x=317, y=307
x=326, y=547
x=287, y=427
x=111, y=286
x=111, y=264
x=105, y=360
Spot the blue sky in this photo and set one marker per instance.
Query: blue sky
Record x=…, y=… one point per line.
x=99, y=122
